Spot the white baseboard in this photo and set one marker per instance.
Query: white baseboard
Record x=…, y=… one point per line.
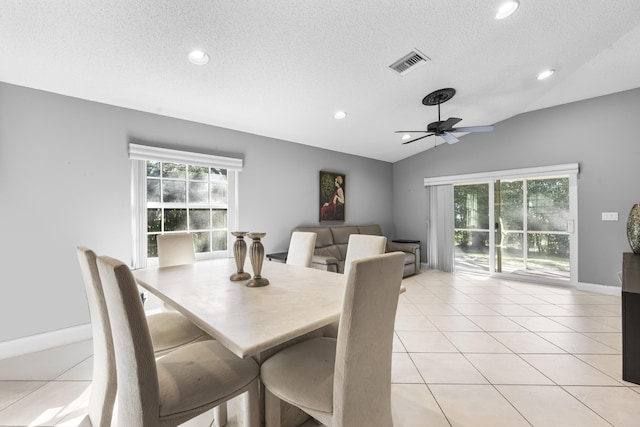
x=599, y=289
x=45, y=341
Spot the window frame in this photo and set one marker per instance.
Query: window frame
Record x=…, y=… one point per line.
x=139, y=155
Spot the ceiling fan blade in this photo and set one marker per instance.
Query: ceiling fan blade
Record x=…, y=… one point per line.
x=414, y=140
x=448, y=124
x=450, y=139
x=473, y=129
x=410, y=131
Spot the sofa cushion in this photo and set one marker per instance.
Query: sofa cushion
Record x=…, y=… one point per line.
x=373, y=230
x=341, y=234
x=328, y=251
x=343, y=251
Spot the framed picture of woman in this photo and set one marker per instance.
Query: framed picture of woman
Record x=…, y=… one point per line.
x=332, y=196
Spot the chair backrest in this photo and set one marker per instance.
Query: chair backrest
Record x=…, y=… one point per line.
x=363, y=246
x=365, y=342
x=301, y=248
x=175, y=249
x=103, y=384
x=138, y=401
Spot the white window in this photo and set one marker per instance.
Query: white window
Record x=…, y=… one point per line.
x=176, y=191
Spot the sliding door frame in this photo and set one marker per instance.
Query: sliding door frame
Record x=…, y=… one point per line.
x=569, y=169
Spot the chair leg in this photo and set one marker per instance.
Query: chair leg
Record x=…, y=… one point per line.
x=220, y=415
x=271, y=409
x=249, y=406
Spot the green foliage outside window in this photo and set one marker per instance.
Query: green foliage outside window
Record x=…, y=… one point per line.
x=190, y=198
x=547, y=210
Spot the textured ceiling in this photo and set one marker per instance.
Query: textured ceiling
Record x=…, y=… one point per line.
x=282, y=68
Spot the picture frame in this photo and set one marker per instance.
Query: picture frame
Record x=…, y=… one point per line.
x=332, y=192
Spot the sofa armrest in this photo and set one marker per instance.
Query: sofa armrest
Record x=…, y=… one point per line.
x=411, y=248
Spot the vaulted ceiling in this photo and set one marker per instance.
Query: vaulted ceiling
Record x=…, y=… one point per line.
x=282, y=69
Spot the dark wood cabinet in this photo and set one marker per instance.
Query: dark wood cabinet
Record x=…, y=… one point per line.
x=631, y=318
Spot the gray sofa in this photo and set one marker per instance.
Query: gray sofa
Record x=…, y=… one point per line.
x=332, y=242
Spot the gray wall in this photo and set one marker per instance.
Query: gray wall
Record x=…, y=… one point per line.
x=600, y=134
x=65, y=181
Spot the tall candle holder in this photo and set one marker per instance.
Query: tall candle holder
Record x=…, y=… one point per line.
x=240, y=253
x=256, y=256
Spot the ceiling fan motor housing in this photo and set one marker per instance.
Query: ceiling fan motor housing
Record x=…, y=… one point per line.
x=433, y=127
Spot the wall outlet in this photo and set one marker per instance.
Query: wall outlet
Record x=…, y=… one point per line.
x=609, y=216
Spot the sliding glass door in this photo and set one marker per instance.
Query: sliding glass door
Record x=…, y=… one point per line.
x=521, y=227
x=471, y=210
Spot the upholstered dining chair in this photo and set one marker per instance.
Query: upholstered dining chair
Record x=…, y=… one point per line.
x=344, y=382
x=301, y=247
x=179, y=386
x=175, y=249
x=168, y=331
x=179, y=249
x=360, y=246
x=363, y=246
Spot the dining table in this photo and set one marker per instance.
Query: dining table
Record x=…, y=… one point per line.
x=252, y=322
x=249, y=321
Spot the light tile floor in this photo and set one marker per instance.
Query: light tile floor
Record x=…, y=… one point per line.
x=468, y=351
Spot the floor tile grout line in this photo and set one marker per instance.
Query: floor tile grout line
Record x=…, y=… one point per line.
x=512, y=405
x=586, y=406
x=44, y=384
x=435, y=399
x=74, y=366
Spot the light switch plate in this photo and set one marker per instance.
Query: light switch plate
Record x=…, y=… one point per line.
x=609, y=216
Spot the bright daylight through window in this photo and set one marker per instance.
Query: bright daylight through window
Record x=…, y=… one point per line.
x=176, y=192
x=518, y=222
x=191, y=198
x=531, y=217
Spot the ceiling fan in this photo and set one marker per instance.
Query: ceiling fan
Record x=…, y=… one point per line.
x=443, y=128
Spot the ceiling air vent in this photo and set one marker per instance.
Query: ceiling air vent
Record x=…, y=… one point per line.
x=409, y=62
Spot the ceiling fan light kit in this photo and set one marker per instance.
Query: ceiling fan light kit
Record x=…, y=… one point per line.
x=442, y=128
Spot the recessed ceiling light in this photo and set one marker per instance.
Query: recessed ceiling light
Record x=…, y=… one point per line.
x=198, y=57
x=546, y=74
x=507, y=8
x=339, y=115
x=406, y=136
